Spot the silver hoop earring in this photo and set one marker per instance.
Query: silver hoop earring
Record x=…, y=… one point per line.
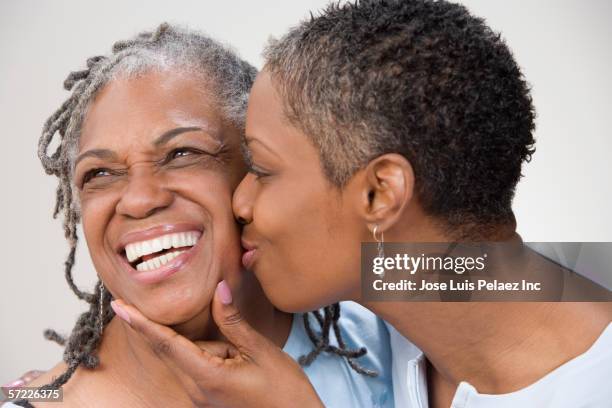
x=101, y=308
x=379, y=242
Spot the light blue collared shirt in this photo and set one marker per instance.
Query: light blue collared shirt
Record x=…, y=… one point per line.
x=338, y=385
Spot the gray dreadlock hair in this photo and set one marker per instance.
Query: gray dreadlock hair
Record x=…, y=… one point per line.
x=168, y=47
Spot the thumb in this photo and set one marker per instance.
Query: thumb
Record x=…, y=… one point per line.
x=234, y=327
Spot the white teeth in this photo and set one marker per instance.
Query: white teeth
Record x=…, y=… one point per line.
x=129, y=251
x=156, y=245
x=137, y=250
x=156, y=262
x=176, y=241
x=159, y=261
x=166, y=242
x=170, y=256
x=165, y=258
x=146, y=248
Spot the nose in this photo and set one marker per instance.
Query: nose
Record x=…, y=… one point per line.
x=144, y=195
x=242, y=202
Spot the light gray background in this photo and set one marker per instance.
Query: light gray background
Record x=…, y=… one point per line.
x=566, y=195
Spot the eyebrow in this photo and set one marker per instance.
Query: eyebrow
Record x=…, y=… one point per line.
x=250, y=139
x=172, y=133
x=106, y=154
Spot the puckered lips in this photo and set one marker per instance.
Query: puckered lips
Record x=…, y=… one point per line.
x=248, y=256
x=155, y=253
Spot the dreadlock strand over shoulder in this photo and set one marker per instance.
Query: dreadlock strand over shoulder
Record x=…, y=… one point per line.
x=321, y=342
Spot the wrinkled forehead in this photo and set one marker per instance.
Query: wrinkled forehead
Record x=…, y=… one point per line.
x=139, y=107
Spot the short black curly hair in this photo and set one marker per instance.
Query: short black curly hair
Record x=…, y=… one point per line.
x=418, y=77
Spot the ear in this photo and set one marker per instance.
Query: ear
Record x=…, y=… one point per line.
x=388, y=187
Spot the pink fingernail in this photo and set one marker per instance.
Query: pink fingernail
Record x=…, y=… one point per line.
x=31, y=375
x=14, y=384
x=224, y=292
x=120, y=312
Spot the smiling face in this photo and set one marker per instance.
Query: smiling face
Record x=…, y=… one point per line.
x=156, y=169
x=302, y=235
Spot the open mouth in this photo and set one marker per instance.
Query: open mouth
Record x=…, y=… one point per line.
x=154, y=253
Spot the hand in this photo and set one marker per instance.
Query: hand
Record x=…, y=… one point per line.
x=250, y=372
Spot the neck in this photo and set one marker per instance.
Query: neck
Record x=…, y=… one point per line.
x=496, y=347
x=129, y=359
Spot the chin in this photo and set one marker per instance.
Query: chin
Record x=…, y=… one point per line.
x=289, y=301
x=174, y=309
x=287, y=294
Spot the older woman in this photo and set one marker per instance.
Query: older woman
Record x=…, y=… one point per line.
x=148, y=160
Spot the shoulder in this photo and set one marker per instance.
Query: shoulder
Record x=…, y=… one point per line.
x=361, y=327
x=71, y=393
x=43, y=379
x=585, y=380
x=49, y=376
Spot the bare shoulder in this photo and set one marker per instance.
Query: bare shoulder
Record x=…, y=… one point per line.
x=49, y=376
x=70, y=398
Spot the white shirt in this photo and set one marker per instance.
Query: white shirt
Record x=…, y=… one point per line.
x=583, y=382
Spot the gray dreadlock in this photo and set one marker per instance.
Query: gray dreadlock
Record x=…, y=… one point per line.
x=167, y=47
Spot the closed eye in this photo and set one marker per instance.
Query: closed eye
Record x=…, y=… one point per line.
x=251, y=167
x=256, y=171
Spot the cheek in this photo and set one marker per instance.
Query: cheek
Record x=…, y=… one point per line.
x=293, y=217
x=225, y=236
x=279, y=212
x=212, y=192
x=96, y=213
x=96, y=218
x=295, y=226
x=313, y=254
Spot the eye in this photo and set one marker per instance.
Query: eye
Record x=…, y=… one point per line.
x=182, y=152
x=95, y=173
x=251, y=167
x=256, y=172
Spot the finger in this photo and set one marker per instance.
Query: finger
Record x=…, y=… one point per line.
x=14, y=384
x=177, y=351
x=31, y=375
x=233, y=326
x=219, y=348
